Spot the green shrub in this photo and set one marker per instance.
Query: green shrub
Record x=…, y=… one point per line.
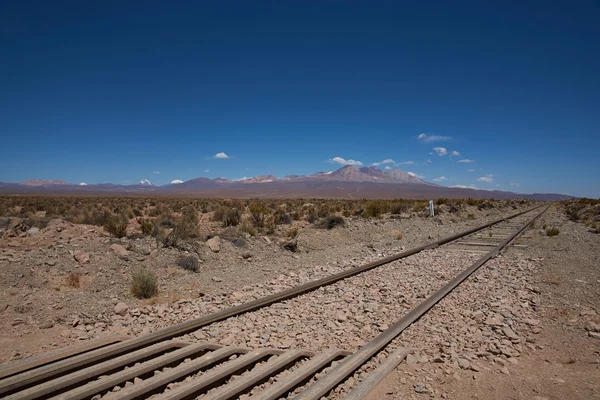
x=144, y=284
x=188, y=263
x=552, y=231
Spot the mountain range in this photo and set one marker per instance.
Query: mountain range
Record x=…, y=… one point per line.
x=348, y=182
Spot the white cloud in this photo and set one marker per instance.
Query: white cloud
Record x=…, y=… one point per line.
x=221, y=155
x=470, y=170
x=441, y=151
x=156, y=172
x=386, y=161
x=406, y=163
x=471, y=186
x=489, y=178
x=428, y=161
x=415, y=175
x=387, y=167
x=176, y=181
x=244, y=178
x=440, y=178
x=342, y=161
x=466, y=160
x=207, y=170
x=432, y=138
x=454, y=153
x=515, y=184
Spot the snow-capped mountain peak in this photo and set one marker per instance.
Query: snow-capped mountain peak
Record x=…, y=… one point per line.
x=145, y=182
x=176, y=182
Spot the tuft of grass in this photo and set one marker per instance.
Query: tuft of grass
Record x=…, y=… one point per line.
x=185, y=228
x=188, y=263
x=292, y=233
x=374, y=209
x=144, y=284
x=74, y=280
x=146, y=226
x=399, y=236
x=248, y=228
x=116, y=227
x=552, y=231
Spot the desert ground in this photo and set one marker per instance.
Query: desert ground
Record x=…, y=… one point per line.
x=526, y=325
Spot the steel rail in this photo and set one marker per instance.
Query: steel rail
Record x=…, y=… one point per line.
x=352, y=363
x=116, y=349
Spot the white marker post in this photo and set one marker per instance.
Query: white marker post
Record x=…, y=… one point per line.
x=431, y=209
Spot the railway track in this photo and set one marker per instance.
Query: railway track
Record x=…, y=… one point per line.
x=166, y=365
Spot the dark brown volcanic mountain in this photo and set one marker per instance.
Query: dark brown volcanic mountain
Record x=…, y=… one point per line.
x=347, y=182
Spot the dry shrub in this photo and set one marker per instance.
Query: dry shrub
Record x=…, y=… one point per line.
x=258, y=213
x=188, y=263
x=552, y=231
x=228, y=216
x=146, y=226
x=144, y=284
x=292, y=233
x=116, y=227
x=247, y=228
x=330, y=222
x=185, y=228
x=399, y=236
x=74, y=280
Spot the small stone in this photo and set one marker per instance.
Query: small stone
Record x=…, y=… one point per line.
x=420, y=388
x=46, y=325
x=120, y=251
x=51, y=263
x=411, y=359
x=509, y=333
x=33, y=231
x=246, y=255
x=121, y=308
x=81, y=257
x=595, y=335
x=505, y=371
x=214, y=244
x=463, y=363
x=478, y=315
x=216, y=279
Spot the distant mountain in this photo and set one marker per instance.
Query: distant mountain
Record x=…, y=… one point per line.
x=262, y=179
x=348, y=182
x=39, y=182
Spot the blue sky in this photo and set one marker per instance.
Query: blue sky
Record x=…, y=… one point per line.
x=118, y=92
